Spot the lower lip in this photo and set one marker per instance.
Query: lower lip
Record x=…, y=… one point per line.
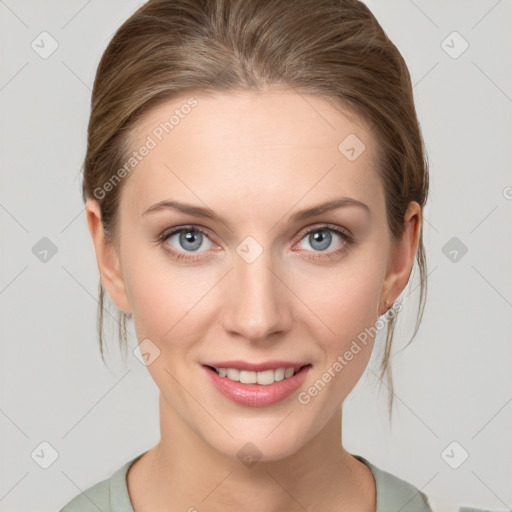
x=257, y=395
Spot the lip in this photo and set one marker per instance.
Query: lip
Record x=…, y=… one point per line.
x=256, y=395
x=257, y=367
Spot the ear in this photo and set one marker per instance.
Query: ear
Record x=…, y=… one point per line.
x=107, y=258
x=402, y=257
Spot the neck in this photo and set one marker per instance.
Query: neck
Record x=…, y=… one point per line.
x=184, y=472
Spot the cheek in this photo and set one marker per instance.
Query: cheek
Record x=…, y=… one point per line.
x=342, y=300
x=343, y=326
x=166, y=299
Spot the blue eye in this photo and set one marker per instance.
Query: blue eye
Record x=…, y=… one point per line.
x=320, y=239
x=190, y=239
x=322, y=242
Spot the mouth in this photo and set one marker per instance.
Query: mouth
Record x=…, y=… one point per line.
x=262, y=377
x=268, y=384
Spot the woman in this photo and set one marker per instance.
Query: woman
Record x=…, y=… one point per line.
x=254, y=184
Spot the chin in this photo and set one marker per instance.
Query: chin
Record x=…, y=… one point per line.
x=259, y=443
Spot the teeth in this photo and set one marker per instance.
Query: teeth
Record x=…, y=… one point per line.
x=279, y=374
x=247, y=377
x=263, y=378
x=232, y=373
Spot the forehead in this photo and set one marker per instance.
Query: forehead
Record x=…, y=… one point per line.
x=251, y=143
x=252, y=117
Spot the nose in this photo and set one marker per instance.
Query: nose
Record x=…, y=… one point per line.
x=257, y=300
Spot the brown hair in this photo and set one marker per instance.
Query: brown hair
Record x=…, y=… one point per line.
x=335, y=49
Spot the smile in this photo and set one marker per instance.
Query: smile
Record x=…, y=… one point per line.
x=264, y=378
x=243, y=384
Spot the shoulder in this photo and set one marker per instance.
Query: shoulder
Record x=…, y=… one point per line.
x=92, y=499
x=109, y=495
x=394, y=494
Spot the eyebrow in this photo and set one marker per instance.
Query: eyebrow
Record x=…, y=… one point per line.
x=199, y=211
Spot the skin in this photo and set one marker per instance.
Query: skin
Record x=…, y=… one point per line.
x=255, y=159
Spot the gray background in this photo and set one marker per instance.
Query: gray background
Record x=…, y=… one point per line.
x=453, y=383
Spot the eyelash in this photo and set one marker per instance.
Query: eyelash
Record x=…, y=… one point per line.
x=346, y=238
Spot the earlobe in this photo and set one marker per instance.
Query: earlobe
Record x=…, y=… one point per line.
x=106, y=257
x=402, y=257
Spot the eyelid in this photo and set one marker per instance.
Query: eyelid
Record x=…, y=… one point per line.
x=325, y=225
x=177, y=229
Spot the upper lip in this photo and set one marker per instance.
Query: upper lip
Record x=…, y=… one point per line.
x=257, y=367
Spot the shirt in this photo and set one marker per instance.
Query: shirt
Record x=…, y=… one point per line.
x=111, y=495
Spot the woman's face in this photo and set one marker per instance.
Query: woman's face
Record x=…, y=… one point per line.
x=254, y=287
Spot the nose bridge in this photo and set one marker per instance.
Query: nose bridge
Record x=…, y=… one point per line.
x=255, y=304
